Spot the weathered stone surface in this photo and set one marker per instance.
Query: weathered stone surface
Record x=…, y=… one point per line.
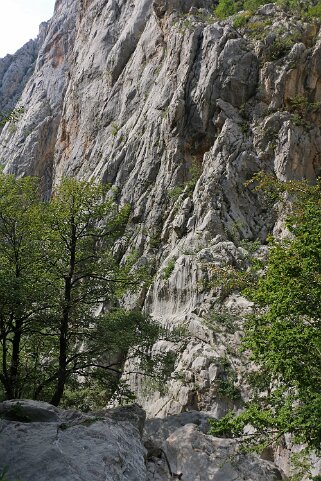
x=15, y=71
x=40, y=442
x=179, y=445
x=29, y=145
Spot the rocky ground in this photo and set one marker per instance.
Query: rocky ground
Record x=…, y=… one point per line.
x=39, y=441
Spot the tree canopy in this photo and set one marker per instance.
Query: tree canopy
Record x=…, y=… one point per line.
x=62, y=331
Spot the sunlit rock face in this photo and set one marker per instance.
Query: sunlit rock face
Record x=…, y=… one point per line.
x=30, y=144
x=178, y=110
x=16, y=70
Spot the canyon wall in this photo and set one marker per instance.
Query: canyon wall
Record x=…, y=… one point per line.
x=178, y=110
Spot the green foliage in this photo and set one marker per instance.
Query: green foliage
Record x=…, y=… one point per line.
x=280, y=47
x=228, y=279
x=242, y=19
x=315, y=11
x=250, y=246
x=306, y=8
x=167, y=271
x=302, y=110
x=193, y=174
x=289, y=4
x=3, y=475
x=226, y=382
x=300, y=104
x=114, y=129
x=16, y=413
x=61, y=330
x=175, y=192
x=226, y=8
x=283, y=336
x=258, y=30
x=155, y=238
x=221, y=320
x=11, y=117
x=253, y=5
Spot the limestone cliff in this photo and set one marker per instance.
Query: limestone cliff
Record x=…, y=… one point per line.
x=178, y=110
x=15, y=71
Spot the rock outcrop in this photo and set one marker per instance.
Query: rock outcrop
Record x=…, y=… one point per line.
x=30, y=143
x=180, y=444
x=39, y=441
x=15, y=71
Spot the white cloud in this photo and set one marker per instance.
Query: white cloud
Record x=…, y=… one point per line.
x=19, y=22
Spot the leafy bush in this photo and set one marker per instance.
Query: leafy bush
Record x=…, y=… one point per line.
x=300, y=104
x=241, y=19
x=226, y=8
x=175, y=192
x=167, y=271
x=226, y=382
x=280, y=47
x=315, y=12
x=310, y=8
x=253, y=5
x=284, y=333
x=221, y=320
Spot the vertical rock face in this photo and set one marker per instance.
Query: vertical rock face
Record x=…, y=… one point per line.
x=29, y=145
x=178, y=110
x=15, y=71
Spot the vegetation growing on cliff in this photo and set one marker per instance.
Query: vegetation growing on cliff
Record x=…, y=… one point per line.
x=310, y=8
x=283, y=336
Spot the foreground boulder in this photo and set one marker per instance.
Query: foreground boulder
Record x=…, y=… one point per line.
x=39, y=442
x=180, y=444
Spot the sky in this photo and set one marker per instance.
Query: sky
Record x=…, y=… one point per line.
x=19, y=22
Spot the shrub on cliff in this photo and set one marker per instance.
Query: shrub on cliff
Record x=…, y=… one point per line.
x=310, y=8
x=283, y=336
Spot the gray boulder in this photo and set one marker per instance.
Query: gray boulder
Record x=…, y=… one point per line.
x=41, y=442
x=179, y=448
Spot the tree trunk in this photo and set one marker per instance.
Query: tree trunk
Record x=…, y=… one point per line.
x=4, y=375
x=65, y=321
x=13, y=391
x=63, y=346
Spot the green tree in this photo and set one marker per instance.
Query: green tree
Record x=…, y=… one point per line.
x=60, y=322
x=284, y=335
x=22, y=283
x=227, y=8
x=83, y=225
